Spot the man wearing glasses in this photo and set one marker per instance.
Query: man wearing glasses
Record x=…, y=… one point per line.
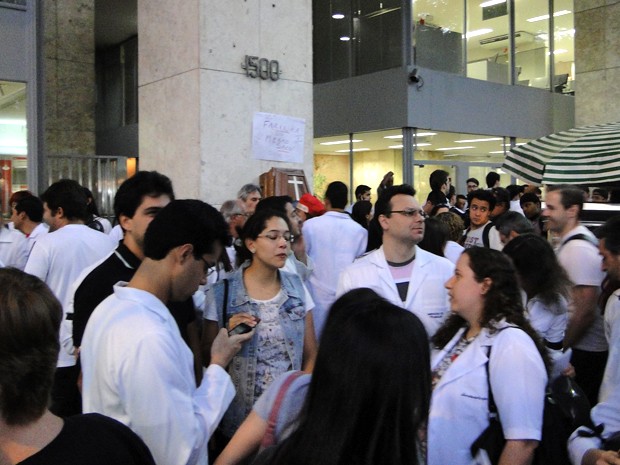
x=136, y=367
x=399, y=270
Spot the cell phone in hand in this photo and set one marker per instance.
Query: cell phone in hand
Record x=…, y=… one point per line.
x=241, y=328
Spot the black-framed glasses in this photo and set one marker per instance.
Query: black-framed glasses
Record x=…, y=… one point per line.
x=274, y=236
x=209, y=268
x=410, y=213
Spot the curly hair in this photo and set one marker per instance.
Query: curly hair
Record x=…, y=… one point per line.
x=501, y=302
x=455, y=224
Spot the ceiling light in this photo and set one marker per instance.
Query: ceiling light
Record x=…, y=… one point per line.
x=491, y=3
x=558, y=51
x=469, y=141
x=338, y=16
x=354, y=150
x=543, y=17
x=395, y=146
x=424, y=144
x=398, y=136
x=477, y=32
x=338, y=142
x=345, y=38
x=498, y=151
x=15, y=122
x=457, y=148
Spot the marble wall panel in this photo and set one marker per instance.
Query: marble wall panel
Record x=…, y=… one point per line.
x=286, y=35
x=50, y=29
x=590, y=40
x=582, y=5
x=612, y=36
x=169, y=133
x=76, y=96
x=591, y=91
x=50, y=101
x=229, y=103
x=76, y=30
x=612, y=95
x=70, y=142
x=229, y=31
x=169, y=38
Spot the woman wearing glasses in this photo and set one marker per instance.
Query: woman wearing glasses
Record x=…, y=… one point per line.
x=259, y=292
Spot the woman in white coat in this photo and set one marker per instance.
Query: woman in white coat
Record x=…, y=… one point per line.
x=487, y=325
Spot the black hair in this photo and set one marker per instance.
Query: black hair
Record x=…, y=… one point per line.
x=437, y=179
x=491, y=178
x=474, y=180
x=435, y=236
x=185, y=222
x=68, y=195
x=360, y=190
x=502, y=301
x=502, y=196
x=539, y=271
x=276, y=202
x=91, y=206
x=529, y=197
x=514, y=190
x=438, y=207
x=132, y=191
x=437, y=198
x=370, y=388
x=360, y=210
x=32, y=206
x=255, y=225
x=30, y=317
x=484, y=195
x=383, y=206
x=337, y=193
x=610, y=231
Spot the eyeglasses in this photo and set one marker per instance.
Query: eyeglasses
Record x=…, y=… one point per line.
x=273, y=236
x=472, y=186
x=410, y=213
x=209, y=268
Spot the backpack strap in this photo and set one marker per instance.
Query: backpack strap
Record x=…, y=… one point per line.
x=269, y=439
x=580, y=237
x=485, y=235
x=225, y=305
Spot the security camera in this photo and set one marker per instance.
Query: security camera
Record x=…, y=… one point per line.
x=413, y=76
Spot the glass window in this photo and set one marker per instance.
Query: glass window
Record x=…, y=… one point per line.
x=564, y=49
x=13, y=142
x=488, y=49
x=438, y=35
x=532, y=43
x=356, y=37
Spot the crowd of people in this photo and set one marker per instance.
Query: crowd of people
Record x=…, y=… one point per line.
x=304, y=331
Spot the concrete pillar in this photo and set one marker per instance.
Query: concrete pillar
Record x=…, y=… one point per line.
x=196, y=103
x=69, y=83
x=597, y=61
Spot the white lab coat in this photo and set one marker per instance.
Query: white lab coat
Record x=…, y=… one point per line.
x=427, y=297
x=459, y=404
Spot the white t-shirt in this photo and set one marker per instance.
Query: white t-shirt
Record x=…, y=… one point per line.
x=58, y=258
x=473, y=238
x=582, y=262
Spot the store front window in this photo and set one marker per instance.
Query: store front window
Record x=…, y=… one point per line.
x=376, y=153
x=13, y=142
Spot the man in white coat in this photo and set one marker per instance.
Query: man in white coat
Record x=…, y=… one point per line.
x=399, y=270
x=590, y=449
x=333, y=240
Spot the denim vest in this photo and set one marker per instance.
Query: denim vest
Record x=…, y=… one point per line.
x=242, y=368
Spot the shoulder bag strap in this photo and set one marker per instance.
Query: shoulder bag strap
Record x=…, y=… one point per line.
x=225, y=305
x=269, y=438
x=491, y=401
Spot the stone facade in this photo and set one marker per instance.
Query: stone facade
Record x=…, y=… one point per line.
x=196, y=102
x=597, y=61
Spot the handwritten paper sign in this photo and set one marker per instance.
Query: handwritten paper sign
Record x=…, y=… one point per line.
x=278, y=138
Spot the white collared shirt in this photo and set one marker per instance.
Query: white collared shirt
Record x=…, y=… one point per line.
x=138, y=370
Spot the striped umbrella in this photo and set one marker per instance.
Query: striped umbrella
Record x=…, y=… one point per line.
x=587, y=155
